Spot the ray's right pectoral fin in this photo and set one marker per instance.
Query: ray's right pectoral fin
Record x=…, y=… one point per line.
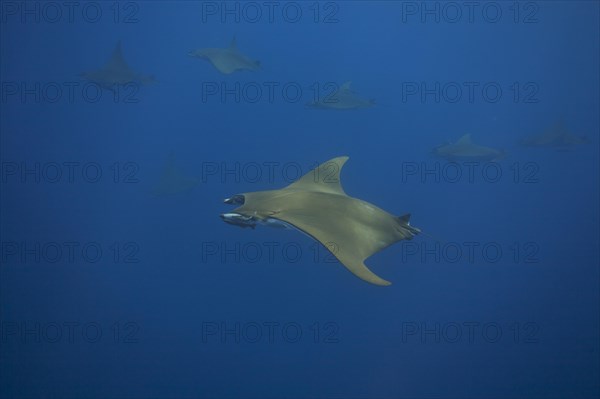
x=358, y=268
x=350, y=250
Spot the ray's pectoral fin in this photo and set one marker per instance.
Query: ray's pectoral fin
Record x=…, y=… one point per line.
x=359, y=269
x=325, y=178
x=349, y=254
x=350, y=250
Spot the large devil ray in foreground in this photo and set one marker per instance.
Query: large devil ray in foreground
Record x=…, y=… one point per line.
x=316, y=204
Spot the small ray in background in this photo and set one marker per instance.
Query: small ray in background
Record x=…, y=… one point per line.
x=116, y=72
x=226, y=60
x=344, y=98
x=556, y=136
x=465, y=150
x=172, y=181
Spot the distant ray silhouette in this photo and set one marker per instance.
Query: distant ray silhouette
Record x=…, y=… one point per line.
x=226, y=60
x=556, y=136
x=116, y=72
x=343, y=98
x=464, y=149
x=172, y=181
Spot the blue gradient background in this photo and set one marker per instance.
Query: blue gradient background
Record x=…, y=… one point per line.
x=162, y=303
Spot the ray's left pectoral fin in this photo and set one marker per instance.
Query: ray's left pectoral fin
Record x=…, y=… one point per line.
x=358, y=268
x=348, y=250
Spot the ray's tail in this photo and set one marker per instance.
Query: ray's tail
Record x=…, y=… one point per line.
x=409, y=230
x=412, y=231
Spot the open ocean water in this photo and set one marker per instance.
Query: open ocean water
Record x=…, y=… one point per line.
x=125, y=125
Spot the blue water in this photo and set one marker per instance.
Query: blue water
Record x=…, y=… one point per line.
x=112, y=289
